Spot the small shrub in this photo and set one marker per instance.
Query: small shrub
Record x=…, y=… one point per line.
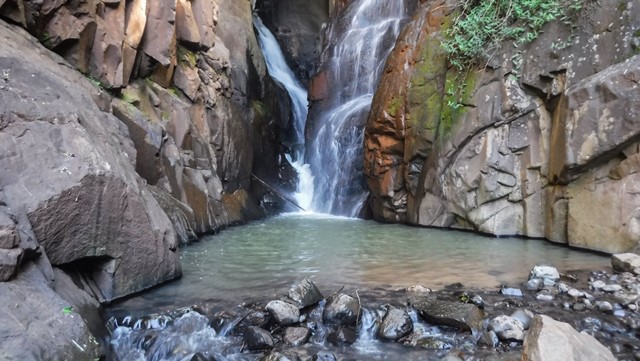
x=482, y=25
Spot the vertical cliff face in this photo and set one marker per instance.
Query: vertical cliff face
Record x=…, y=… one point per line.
x=126, y=128
x=539, y=142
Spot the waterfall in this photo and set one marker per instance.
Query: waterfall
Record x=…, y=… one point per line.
x=360, y=42
x=283, y=75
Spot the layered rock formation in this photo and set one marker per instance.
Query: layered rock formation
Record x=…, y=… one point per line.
x=540, y=142
x=148, y=128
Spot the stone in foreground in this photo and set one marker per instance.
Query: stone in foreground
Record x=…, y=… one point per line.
x=296, y=336
x=396, y=323
x=464, y=316
x=625, y=262
x=305, y=293
x=550, y=340
x=258, y=339
x=283, y=313
x=507, y=328
x=341, y=310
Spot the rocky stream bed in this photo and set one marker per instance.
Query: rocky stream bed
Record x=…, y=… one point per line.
x=573, y=315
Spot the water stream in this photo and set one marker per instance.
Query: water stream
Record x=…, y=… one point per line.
x=281, y=73
x=360, y=42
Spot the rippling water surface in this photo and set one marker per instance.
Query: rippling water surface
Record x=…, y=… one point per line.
x=266, y=257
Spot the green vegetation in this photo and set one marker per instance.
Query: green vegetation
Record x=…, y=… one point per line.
x=482, y=25
x=67, y=310
x=188, y=57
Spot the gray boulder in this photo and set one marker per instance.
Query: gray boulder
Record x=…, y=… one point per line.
x=550, y=340
x=548, y=275
x=283, y=313
x=305, y=293
x=395, y=324
x=625, y=262
x=258, y=339
x=507, y=328
x=464, y=316
x=38, y=324
x=93, y=209
x=341, y=310
x=10, y=260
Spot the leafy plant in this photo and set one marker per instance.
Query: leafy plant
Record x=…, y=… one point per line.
x=482, y=25
x=67, y=310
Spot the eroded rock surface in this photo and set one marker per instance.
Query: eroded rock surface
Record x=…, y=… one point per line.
x=540, y=142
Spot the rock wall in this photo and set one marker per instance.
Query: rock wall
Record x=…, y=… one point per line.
x=148, y=127
x=542, y=141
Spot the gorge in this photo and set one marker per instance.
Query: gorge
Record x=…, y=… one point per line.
x=130, y=129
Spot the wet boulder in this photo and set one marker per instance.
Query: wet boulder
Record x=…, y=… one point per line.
x=341, y=310
x=550, y=340
x=305, y=293
x=283, y=313
x=464, y=316
x=258, y=339
x=296, y=336
x=626, y=262
x=342, y=336
x=507, y=328
x=396, y=323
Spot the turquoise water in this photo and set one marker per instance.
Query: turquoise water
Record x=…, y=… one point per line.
x=266, y=257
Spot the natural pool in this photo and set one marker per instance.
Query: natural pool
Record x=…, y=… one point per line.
x=268, y=256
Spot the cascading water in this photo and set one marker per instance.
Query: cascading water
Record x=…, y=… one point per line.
x=361, y=40
x=283, y=75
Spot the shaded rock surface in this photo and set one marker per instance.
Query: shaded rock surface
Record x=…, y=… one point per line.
x=543, y=145
x=552, y=340
x=464, y=316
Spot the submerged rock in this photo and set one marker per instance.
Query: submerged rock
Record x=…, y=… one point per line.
x=283, y=313
x=341, y=310
x=396, y=323
x=277, y=356
x=342, y=336
x=550, y=340
x=464, y=316
x=305, y=294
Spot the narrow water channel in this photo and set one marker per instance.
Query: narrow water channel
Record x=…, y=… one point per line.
x=266, y=257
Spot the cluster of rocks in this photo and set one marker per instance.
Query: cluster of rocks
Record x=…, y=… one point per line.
x=595, y=318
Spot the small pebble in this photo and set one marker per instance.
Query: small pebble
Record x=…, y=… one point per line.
x=632, y=307
x=587, y=303
x=511, y=292
x=596, y=285
x=604, y=306
x=579, y=307
x=612, y=288
x=562, y=287
x=619, y=313
x=575, y=293
x=543, y=297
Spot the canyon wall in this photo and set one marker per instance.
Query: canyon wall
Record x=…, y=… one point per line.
x=126, y=128
x=539, y=141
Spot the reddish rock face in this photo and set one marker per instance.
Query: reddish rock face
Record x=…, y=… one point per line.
x=542, y=146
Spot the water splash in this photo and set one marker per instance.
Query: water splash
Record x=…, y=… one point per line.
x=361, y=41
